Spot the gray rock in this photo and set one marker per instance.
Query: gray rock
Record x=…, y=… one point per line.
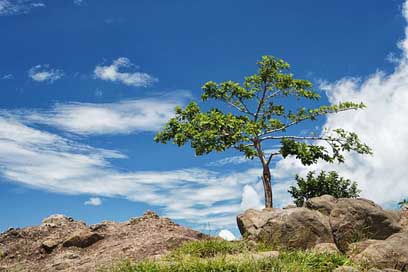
x=297, y=228
x=326, y=248
x=323, y=204
x=82, y=239
x=345, y=268
x=57, y=220
x=49, y=245
x=389, y=253
x=354, y=220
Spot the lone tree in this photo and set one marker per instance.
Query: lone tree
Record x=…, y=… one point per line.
x=265, y=108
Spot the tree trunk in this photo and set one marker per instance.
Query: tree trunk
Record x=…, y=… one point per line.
x=266, y=179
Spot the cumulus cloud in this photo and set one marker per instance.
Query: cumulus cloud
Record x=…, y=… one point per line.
x=44, y=73
x=250, y=199
x=94, y=201
x=138, y=115
x=382, y=125
x=15, y=7
x=112, y=73
x=226, y=235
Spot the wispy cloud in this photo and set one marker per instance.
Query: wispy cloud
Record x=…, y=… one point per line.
x=112, y=73
x=79, y=2
x=93, y=201
x=44, y=73
x=51, y=162
x=15, y=7
x=138, y=115
x=7, y=77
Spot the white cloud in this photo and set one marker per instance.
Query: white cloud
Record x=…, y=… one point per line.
x=7, y=77
x=94, y=201
x=227, y=235
x=138, y=115
x=230, y=160
x=15, y=7
x=43, y=73
x=79, y=2
x=250, y=199
x=50, y=162
x=112, y=73
x=383, y=125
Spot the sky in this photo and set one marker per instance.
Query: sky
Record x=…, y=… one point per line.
x=86, y=84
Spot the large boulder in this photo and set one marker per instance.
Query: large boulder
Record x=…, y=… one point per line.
x=354, y=220
x=297, y=228
x=389, y=253
x=323, y=204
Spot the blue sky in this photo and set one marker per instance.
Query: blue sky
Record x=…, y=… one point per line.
x=86, y=84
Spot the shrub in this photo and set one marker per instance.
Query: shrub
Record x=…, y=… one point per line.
x=331, y=184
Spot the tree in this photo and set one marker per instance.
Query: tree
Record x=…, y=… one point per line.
x=324, y=184
x=258, y=117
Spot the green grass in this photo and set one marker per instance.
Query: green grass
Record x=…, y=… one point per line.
x=216, y=256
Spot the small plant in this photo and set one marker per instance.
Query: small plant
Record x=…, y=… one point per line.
x=403, y=202
x=331, y=184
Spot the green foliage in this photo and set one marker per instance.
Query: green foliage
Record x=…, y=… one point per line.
x=330, y=184
x=403, y=202
x=258, y=112
x=210, y=248
x=298, y=261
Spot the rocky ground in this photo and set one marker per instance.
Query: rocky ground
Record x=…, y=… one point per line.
x=62, y=244
x=358, y=228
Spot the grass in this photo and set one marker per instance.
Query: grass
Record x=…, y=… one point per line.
x=215, y=256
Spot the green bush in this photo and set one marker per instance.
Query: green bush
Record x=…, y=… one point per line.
x=331, y=184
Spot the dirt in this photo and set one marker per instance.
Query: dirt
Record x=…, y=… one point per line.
x=63, y=244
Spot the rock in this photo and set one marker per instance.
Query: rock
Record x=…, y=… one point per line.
x=150, y=215
x=354, y=220
x=82, y=239
x=297, y=228
x=345, y=268
x=290, y=206
x=57, y=220
x=389, y=253
x=49, y=245
x=323, y=204
x=403, y=220
x=358, y=247
x=326, y=248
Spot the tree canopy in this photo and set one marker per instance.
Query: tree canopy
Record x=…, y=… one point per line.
x=263, y=108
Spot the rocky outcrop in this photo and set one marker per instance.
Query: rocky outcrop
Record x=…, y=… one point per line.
x=323, y=204
x=332, y=223
x=62, y=244
x=299, y=228
x=354, y=220
x=389, y=253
